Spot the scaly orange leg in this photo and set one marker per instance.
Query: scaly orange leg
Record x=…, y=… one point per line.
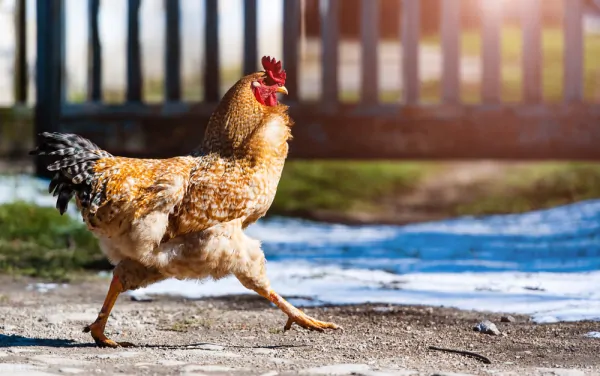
x=97, y=328
x=297, y=316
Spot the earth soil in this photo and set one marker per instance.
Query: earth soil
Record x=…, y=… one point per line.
x=41, y=334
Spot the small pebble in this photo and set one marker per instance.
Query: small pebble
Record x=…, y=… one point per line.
x=141, y=298
x=507, y=318
x=487, y=327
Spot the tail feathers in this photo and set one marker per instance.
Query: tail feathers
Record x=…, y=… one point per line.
x=73, y=158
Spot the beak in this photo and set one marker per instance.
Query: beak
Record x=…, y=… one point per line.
x=282, y=90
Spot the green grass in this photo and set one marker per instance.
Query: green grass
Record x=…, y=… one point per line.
x=343, y=185
x=38, y=241
x=537, y=186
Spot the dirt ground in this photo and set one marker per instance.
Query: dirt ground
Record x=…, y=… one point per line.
x=242, y=335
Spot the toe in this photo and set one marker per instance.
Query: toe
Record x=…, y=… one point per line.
x=310, y=323
x=106, y=343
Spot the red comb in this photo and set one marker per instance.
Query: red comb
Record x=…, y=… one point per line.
x=273, y=69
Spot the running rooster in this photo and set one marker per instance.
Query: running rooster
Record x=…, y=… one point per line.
x=184, y=217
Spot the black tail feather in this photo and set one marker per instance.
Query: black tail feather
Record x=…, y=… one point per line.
x=73, y=158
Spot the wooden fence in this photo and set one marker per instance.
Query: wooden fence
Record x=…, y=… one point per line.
x=328, y=128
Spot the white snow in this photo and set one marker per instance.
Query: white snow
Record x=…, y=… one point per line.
x=547, y=297
x=545, y=264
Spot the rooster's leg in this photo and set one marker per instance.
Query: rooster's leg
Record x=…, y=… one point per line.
x=297, y=316
x=97, y=328
x=259, y=283
x=127, y=275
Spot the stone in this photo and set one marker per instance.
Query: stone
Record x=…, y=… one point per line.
x=507, y=318
x=487, y=327
x=211, y=347
x=141, y=298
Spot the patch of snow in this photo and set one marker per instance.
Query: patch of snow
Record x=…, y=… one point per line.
x=593, y=335
x=547, y=297
x=44, y=287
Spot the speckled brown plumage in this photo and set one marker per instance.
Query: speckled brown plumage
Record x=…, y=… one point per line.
x=184, y=217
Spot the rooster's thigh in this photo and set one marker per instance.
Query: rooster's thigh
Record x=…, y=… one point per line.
x=133, y=275
x=216, y=252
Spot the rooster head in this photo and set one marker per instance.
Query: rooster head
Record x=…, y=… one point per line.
x=265, y=88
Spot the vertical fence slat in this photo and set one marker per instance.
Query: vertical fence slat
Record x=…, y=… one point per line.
x=134, y=59
x=291, y=31
x=250, y=36
x=172, y=51
x=49, y=69
x=62, y=42
x=370, y=40
x=573, y=34
x=94, y=53
x=491, y=20
x=20, y=64
x=329, y=61
x=212, y=78
x=532, y=51
x=451, y=51
x=411, y=25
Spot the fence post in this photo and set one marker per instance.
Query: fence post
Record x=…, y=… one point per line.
x=573, y=34
x=134, y=59
x=532, y=51
x=172, y=52
x=411, y=25
x=329, y=61
x=491, y=21
x=212, y=79
x=291, y=28
x=49, y=69
x=250, y=36
x=94, y=53
x=369, y=27
x=20, y=76
x=451, y=51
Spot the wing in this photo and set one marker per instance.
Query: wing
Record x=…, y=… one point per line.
x=137, y=187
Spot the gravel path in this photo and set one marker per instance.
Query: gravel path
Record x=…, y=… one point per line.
x=41, y=334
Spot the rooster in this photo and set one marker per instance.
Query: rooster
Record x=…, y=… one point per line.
x=184, y=217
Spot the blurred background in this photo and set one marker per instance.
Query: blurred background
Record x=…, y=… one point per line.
x=416, y=121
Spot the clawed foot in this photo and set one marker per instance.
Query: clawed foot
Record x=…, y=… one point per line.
x=101, y=340
x=309, y=323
